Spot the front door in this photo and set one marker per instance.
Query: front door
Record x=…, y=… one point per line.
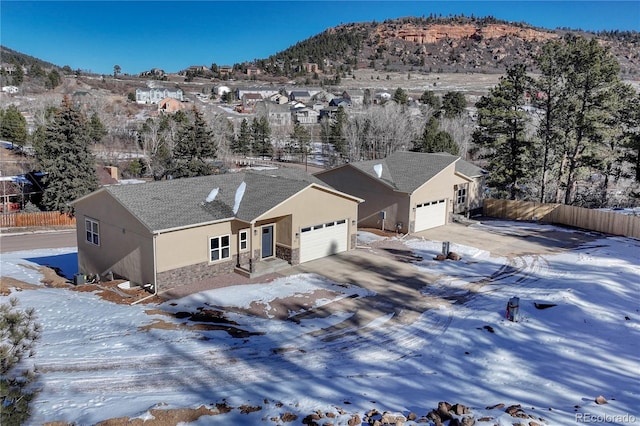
x=267, y=241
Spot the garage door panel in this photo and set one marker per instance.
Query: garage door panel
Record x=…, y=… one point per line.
x=323, y=240
x=430, y=214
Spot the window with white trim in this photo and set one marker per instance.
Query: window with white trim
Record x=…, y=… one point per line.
x=462, y=195
x=243, y=240
x=219, y=248
x=92, y=228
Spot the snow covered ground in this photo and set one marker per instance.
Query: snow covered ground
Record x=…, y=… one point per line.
x=97, y=360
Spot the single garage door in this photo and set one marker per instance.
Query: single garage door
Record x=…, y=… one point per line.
x=430, y=214
x=323, y=240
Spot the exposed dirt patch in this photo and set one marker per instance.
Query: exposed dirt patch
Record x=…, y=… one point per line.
x=8, y=284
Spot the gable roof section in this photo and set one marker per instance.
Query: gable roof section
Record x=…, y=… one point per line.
x=464, y=167
x=406, y=171
x=182, y=203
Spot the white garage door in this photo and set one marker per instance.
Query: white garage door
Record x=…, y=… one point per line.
x=323, y=240
x=431, y=214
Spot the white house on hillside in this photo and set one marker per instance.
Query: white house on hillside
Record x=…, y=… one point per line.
x=155, y=95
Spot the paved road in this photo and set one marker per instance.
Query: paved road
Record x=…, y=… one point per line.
x=34, y=240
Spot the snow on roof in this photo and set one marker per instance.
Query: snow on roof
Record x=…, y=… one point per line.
x=239, y=195
x=212, y=195
x=378, y=169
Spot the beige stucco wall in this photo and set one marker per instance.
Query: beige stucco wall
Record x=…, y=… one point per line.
x=441, y=186
x=190, y=246
x=311, y=206
x=126, y=247
x=377, y=197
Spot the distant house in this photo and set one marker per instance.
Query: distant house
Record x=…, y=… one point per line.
x=225, y=70
x=300, y=96
x=279, y=98
x=171, y=105
x=253, y=71
x=249, y=101
x=306, y=115
x=277, y=115
x=409, y=191
x=340, y=102
x=310, y=67
x=169, y=233
x=265, y=92
x=10, y=89
x=155, y=95
x=355, y=96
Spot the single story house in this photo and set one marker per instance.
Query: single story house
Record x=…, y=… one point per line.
x=172, y=232
x=409, y=191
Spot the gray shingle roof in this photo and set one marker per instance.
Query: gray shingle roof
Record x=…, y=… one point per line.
x=182, y=202
x=406, y=171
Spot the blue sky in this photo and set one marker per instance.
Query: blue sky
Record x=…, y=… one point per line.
x=172, y=35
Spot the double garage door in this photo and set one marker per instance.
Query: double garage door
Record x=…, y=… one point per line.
x=323, y=240
x=431, y=214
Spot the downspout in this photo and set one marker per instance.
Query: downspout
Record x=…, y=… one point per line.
x=155, y=275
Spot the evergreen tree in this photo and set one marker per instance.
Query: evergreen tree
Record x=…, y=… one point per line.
x=336, y=135
x=453, y=104
x=261, y=137
x=242, y=143
x=435, y=140
x=429, y=98
x=501, y=133
x=13, y=126
x=53, y=80
x=18, y=74
x=400, y=96
x=97, y=129
x=547, y=96
x=590, y=75
x=19, y=332
x=301, y=137
x=632, y=136
x=194, y=147
x=63, y=153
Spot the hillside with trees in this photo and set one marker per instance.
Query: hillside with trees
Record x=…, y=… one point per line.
x=438, y=44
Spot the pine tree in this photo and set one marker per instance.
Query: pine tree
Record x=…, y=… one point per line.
x=194, y=147
x=429, y=98
x=336, y=135
x=97, y=129
x=435, y=140
x=302, y=137
x=501, y=133
x=242, y=143
x=547, y=96
x=400, y=96
x=63, y=154
x=19, y=332
x=453, y=104
x=13, y=126
x=590, y=74
x=261, y=136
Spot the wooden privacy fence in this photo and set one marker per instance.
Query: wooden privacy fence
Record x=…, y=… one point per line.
x=11, y=220
x=579, y=217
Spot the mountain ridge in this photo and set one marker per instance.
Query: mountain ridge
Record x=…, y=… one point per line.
x=417, y=44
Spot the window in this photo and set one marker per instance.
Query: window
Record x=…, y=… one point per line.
x=92, y=228
x=243, y=240
x=219, y=248
x=462, y=195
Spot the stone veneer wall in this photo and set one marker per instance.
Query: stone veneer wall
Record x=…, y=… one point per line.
x=186, y=274
x=354, y=241
x=283, y=252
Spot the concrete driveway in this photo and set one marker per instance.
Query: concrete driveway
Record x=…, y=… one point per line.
x=385, y=268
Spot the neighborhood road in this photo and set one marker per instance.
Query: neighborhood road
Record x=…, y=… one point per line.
x=37, y=240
